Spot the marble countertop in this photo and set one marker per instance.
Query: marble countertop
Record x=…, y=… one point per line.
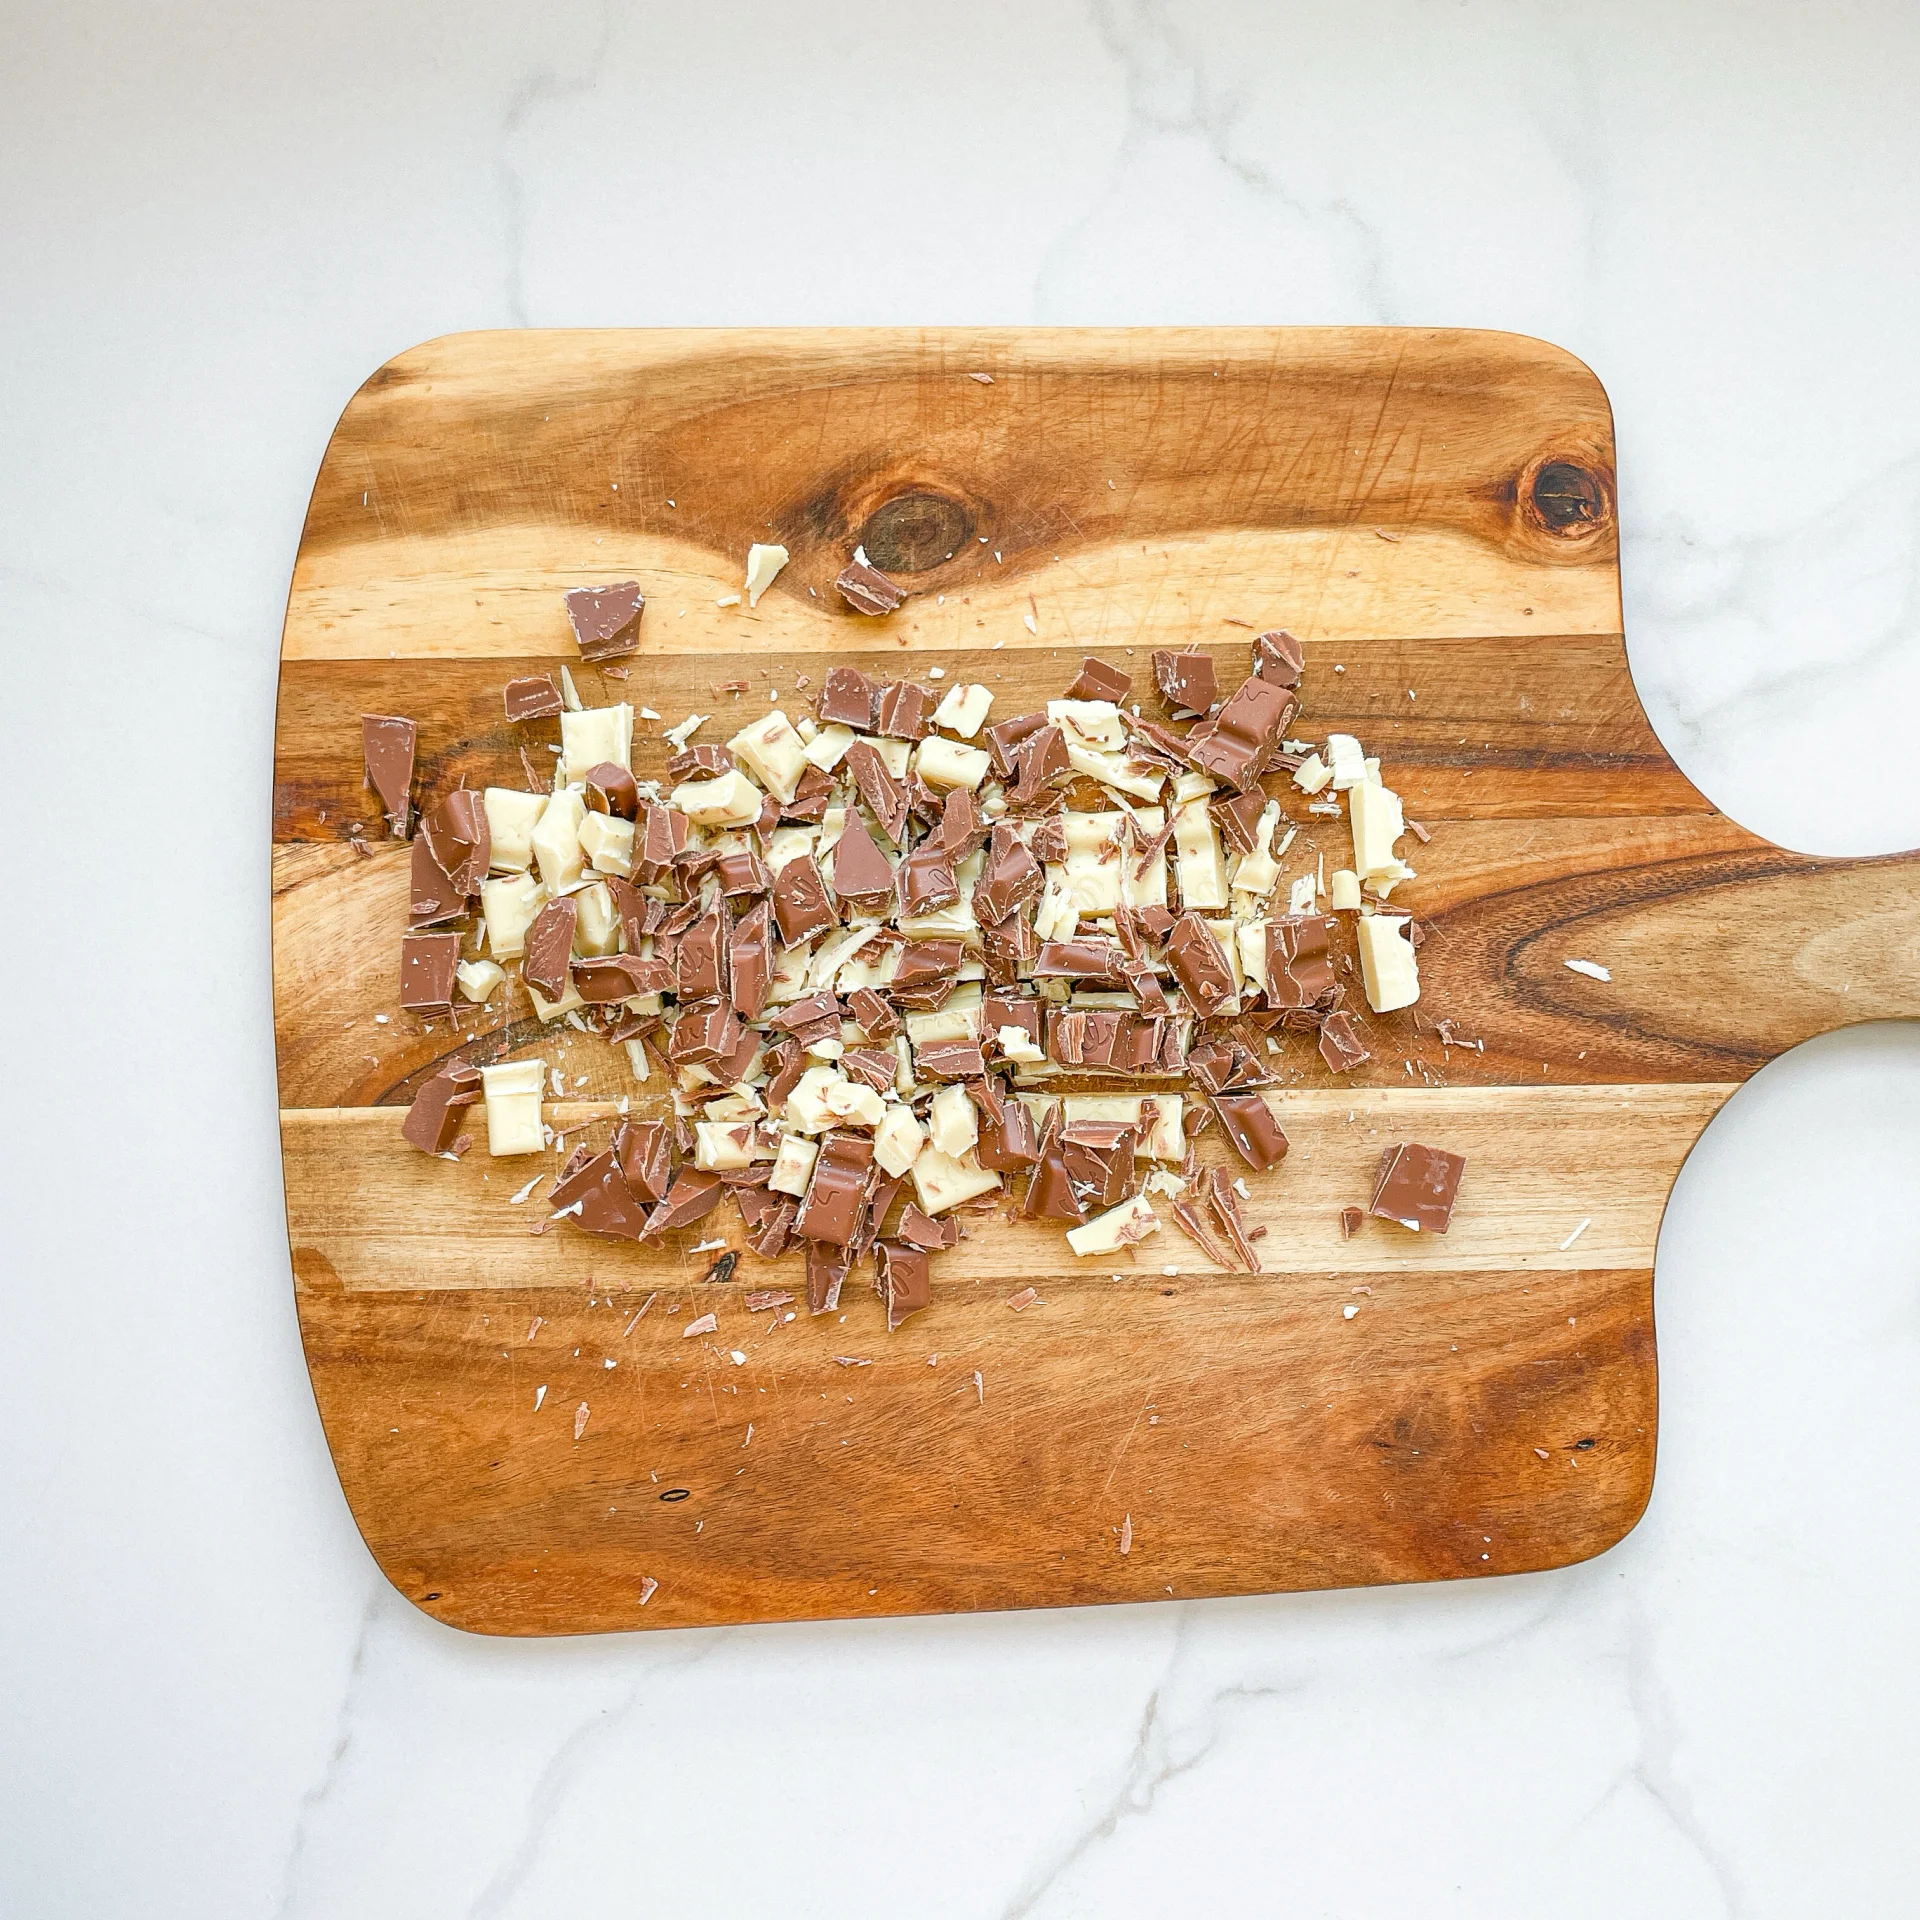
x=216, y=220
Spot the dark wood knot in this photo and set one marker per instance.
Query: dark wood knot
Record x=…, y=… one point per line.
x=914, y=532
x=1567, y=497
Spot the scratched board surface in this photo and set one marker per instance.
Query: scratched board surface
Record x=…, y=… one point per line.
x=525, y=1434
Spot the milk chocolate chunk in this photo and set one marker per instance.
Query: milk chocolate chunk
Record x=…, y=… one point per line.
x=534, y=698
x=950, y=1060
x=837, y=1192
x=879, y=789
x=740, y=872
x=1098, y=1158
x=459, y=839
x=906, y=1280
x=1249, y=1123
x=814, y=1010
x=1279, y=657
x=550, y=947
x=611, y=789
x=1351, y=1220
x=1085, y=960
x=1004, y=740
x=1099, y=681
x=882, y=1188
x=1237, y=742
x=606, y=620
x=1233, y=1223
x=866, y=589
x=1239, y=818
x=1007, y=1007
x=700, y=959
x=811, y=797
x=1299, y=966
x=1199, y=965
x=1340, y=1047
x=900, y=711
x=1050, y=1194
x=786, y=1063
x=1042, y=756
x=1139, y=977
x=1009, y=1138
x=870, y=1066
x=922, y=962
x=846, y=700
x=926, y=882
x=387, y=743
x=963, y=827
x=930, y=1235
x=1416, y=1186
x=1185, y=681
x=662, y=835
x=800, y=904
x=705, y=1033
x=775, y=1229
x=433, y=1121
x=750, y=961
x=1010, y=879
x=1006, y=948
x=826, y=1274
x=603, y=980
x=875, y=1018
x=860, y=869
x=690, y=1197
x=1158, y=743
x=432, y=897
x=645, y=1151
x=608, y=1205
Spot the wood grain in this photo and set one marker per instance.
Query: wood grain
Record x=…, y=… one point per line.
x=1433, y=513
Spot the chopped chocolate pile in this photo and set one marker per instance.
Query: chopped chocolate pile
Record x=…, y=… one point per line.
x=905, y=962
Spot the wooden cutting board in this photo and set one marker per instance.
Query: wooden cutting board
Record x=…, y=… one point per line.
x=524, y=1433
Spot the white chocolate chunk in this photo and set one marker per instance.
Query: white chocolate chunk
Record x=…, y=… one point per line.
x=894, y=755
x=957, y=1018
x=951, y=1124
x=1377, y=822
x=1258, y=871
x=552, y=1010
x=897, y=1140
x=1159, y=1137
x=1116, y=770
x=854, y=1103
x=793, y=1164
x=763, y=563
x=1383, y=880
x=963, y=709
x=1089, y=723
x=944, y=763
x=1015, y=1046
x=1123, y=1226
x=511, y=819
x=478, y=979
x=719, y=1148
x=569, y=693
x=828, y=747
x=556, y=840
x=789, y=843
x=637, y=1063
x=508, y=906
x=772, y=752
x=728, y=800
x=1202, y=866
x=1250, y=937
x=790, y=969
x=599, y=734
x=608, y=843
x=1312, y=774
x=1387, y=964
x=1348, y=762
x=940, y=1181
x=512, y=1095
x=837, y=950
x=1098, y=873
x=1191, y=785
x=685, y=731
x=596, y=922
x=1301, y=895
x=1343, y=890
x=1056, y=917
x=807, y=1106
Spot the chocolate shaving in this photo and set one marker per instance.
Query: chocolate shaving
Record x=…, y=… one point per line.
x=1226, y=1210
